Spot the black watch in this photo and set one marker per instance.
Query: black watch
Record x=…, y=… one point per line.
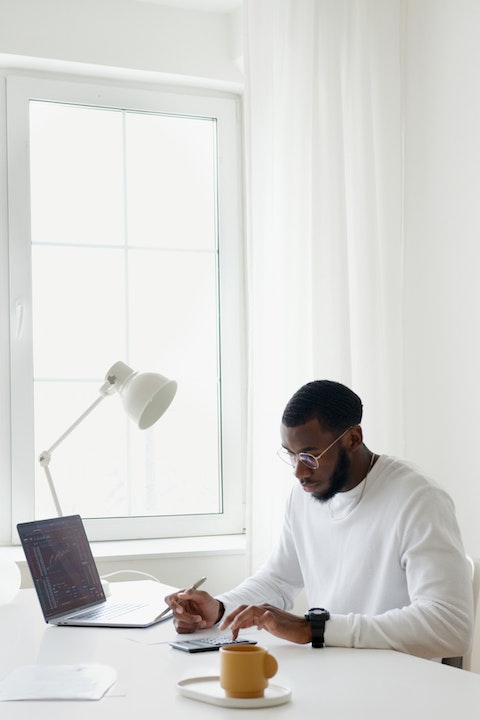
x=317, y=617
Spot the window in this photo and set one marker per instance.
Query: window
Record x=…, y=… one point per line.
x=125, y=244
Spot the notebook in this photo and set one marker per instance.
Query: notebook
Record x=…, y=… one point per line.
x=67, y=582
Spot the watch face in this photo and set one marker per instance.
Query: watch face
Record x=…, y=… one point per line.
x=316, y=611
x=319, y=614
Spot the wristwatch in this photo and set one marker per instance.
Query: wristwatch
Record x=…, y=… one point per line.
x=317, y=617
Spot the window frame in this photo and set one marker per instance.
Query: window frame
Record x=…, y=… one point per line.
x=226, y=108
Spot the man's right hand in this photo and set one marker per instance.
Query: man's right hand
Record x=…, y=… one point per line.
x=193, y=610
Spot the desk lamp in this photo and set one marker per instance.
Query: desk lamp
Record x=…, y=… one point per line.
x=145, y=398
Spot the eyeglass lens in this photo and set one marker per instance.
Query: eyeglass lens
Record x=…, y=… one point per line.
x=309, y=460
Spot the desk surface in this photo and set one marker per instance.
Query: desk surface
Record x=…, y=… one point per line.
x=329, y=683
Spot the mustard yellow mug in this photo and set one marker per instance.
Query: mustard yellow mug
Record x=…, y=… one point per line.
x=245, y=670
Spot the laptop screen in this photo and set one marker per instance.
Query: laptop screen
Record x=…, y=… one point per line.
x=61, y=564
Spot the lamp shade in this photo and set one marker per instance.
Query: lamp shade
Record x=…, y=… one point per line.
x=145, y=396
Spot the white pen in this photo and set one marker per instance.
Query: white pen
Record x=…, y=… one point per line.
x=195, y=586
x=179, y=601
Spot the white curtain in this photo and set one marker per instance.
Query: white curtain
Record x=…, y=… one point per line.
x=324, y=155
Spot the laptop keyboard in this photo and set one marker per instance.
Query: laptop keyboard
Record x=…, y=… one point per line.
x=107, y=612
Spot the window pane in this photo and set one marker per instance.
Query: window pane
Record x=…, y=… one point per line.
x=78, y=310
x=76, y=174
x=173, y=322
x=171, y=181
x=173, y=313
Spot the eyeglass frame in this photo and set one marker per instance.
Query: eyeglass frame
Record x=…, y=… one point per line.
x=294, y=458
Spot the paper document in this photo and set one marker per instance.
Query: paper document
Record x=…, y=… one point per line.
x=57, y=682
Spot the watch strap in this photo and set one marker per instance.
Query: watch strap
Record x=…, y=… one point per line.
x=317, y=618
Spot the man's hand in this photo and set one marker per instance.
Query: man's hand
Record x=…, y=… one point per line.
x=193, y=610
x=278, y=622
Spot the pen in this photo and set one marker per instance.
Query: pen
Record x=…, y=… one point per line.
x=192, y=587
x=195, y=586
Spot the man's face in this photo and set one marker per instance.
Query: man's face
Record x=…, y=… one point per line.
x=332, y=474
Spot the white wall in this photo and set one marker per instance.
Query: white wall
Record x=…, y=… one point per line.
x=442, y=249
x=134, y=36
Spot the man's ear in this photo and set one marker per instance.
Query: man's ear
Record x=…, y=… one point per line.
x=354, y=438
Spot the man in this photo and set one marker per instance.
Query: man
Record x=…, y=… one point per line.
x=373, y=541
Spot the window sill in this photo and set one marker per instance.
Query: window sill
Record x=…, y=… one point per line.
x=151, y=549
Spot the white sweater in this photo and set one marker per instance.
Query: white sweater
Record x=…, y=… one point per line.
x=389, y=565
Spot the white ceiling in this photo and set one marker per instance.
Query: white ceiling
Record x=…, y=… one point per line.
x=226, y=6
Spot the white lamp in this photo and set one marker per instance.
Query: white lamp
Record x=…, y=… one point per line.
x=145, y=397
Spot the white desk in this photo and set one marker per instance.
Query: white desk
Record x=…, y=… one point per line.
x=327, y=684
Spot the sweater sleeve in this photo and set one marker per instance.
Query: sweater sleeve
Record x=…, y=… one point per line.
x=277, y=582
x=438, y=621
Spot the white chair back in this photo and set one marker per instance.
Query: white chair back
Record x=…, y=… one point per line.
x=471, y=660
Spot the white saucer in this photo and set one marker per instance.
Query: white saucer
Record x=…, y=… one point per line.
x=207, y=689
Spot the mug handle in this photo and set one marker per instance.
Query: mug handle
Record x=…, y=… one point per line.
x=270, y=665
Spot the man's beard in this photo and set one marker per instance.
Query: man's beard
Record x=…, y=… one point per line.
x=339, y=478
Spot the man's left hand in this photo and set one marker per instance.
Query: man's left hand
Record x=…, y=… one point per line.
x=268, y=617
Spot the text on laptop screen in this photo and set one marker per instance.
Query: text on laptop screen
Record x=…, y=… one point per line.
x=61, y=564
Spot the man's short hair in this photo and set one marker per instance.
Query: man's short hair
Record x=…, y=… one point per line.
x=334, y=405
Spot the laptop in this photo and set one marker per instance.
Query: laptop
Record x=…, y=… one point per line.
x=68, y=585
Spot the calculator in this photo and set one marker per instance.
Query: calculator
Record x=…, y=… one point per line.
x=208, y=643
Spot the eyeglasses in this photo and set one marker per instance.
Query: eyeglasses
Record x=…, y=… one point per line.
x=311, y=461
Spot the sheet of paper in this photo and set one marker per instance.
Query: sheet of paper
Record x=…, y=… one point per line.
x=57, y=682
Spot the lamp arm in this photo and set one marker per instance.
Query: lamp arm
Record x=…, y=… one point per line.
x=52, y=488
x=45, y=456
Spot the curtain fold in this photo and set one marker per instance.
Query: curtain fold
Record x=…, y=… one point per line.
x=324, y=168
